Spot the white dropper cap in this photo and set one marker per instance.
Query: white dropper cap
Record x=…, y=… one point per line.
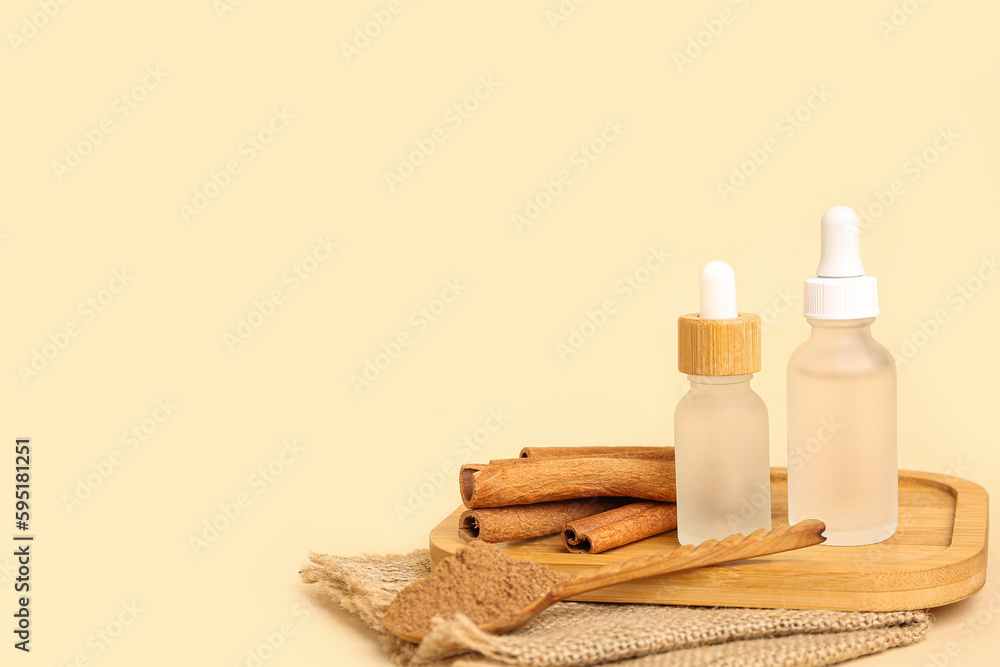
x=841, y=290
x=718, y=292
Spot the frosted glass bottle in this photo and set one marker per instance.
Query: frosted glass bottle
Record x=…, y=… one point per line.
x=723, y=468
x=842, y=433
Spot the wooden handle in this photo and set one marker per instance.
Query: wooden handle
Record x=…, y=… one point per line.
x=711, y=552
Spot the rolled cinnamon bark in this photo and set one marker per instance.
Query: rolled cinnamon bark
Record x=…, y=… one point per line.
x=661, y=453
x=571, y=452
x=623, y=525
x=507, y=462
x=485, y=485
x=504, y=524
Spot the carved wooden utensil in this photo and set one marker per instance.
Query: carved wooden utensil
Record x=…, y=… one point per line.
x=711, y=552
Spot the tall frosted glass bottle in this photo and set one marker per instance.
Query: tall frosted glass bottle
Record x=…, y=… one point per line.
x=720, y=425
x=842, y=400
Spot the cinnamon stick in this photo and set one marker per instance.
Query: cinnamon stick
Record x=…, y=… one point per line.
x=576, y=452
x=623, y=525
x=504, y=524
x=486, y=485
x=661, y=453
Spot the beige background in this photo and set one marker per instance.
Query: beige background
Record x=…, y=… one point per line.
x=885, y=80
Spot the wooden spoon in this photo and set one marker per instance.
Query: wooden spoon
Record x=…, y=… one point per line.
x=711, y=552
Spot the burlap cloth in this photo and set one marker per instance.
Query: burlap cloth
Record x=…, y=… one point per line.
x=632, y=635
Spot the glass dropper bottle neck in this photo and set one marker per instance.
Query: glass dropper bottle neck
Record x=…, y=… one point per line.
x=828, y=328
x=720, y=379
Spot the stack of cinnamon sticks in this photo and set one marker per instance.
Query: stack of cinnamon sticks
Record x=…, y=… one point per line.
x=597, y=497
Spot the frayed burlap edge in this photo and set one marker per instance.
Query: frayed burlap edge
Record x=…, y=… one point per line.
x=574, y=634
x=365, y=585
x=809, y=650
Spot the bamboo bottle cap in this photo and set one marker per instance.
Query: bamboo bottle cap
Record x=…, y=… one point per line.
x=718, y=346
x=718, y=340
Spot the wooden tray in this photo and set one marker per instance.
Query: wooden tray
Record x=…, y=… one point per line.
x=937, y=556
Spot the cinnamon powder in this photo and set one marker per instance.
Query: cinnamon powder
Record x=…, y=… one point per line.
x=480, y=581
